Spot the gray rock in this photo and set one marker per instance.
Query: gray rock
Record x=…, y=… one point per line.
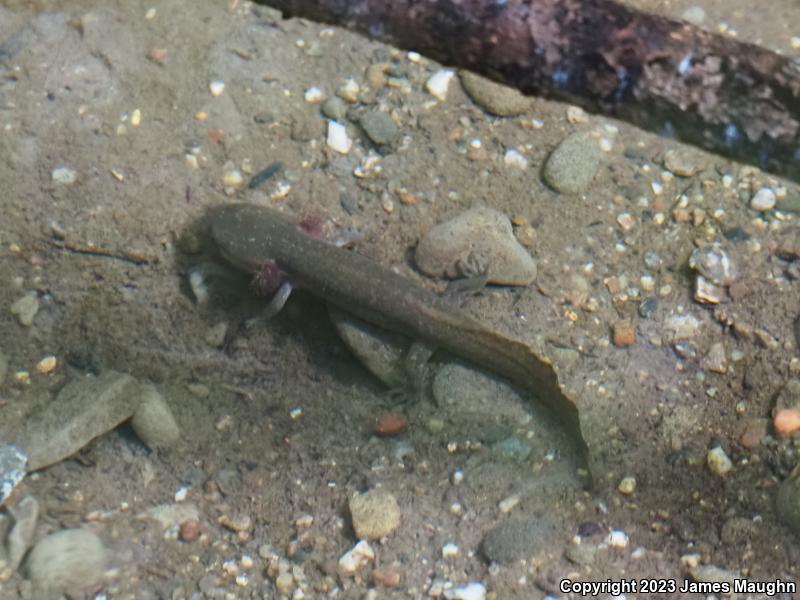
x=471, y=390
x=581, y=554
x=70, y=561
x=381, y=351
x=480, y=234
x=334, y=108
x=494, y=98
x=153, y=422
x=518, y=539
x=571, y=167
x=375, y=514
x=84, y=409
x=379, y=127
x=25, y=309
x=26, y=516
x=679, y=163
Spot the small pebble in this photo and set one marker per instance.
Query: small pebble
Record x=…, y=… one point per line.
x=64, y=175
x=515, y=160
x=713, y=262
x=716, y=360
x=25, y=309
x=216, y=87
x=449, y=550
x=375, y=514
x=754, y=431
x=617, y=539
x=468, y=591
x=438, y=83
x=338, y=140
x=314, y=95
x=189, y=530
x=718, y=462
x=572, y=165
x=763, y=200
x=677, y=162
x=494, y=98
x=390, y=423
x=46, y=365
x=786, y=422
x=624, y=334
x=379, y=127
x=357, y=557
x=334, y=108
x=627, y=485
x=349, y=91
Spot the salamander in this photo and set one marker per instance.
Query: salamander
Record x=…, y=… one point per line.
x=259, y=240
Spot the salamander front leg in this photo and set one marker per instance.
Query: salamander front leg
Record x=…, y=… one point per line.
x=269, y=280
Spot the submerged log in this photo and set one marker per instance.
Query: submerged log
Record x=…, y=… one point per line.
x=738, y=100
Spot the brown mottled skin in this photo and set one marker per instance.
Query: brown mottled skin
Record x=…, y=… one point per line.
x=250, y=235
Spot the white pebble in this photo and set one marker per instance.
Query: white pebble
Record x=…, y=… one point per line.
x=338, y=140
x=232, y=178
x=515, y=159
x=216, y=87
x=458, y=476
x=180, y=495
x=355, y=558
x=469, y=591
x=64, y=175
x=617, y=539
x=314, y=95
x=507, y=504
x=449, y=550
x=438, y=83
x=349, y=91
x=763, y=199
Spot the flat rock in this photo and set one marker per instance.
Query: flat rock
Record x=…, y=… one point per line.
x=481, y=234
x=571, y=167
x=83, y=410
x=70, y=561
x=494, y=98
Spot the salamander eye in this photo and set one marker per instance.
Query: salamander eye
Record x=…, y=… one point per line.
x=267, y=279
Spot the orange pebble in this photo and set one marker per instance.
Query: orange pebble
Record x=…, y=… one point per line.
x=390, y=423
x=190, y=530
x=786, y=422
